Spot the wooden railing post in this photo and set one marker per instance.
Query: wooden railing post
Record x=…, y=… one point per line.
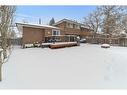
x=1, y=64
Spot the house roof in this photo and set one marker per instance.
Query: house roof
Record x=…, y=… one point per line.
x=67, y=20
x=71, y=21
x=35, y=25
x=84, y=26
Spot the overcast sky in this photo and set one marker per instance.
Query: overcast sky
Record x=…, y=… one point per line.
x=31, y=14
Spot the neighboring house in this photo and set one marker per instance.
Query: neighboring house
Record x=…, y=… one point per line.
x=64, y=30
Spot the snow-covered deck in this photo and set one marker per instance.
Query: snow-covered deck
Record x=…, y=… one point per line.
x=58, y=44
x=85, y=66
x=63, y=45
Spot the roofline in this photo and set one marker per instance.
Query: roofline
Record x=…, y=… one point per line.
x=66, y=20
x=36, y=25
x=81, y=24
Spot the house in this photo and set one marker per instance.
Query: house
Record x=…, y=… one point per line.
x=62, y=31
x=70, y=27
x=35, y=32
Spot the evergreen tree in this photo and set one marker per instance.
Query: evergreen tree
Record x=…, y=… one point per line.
x=52, y=21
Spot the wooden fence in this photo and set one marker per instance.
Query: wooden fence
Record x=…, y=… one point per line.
x=17, y=41
x=112, y=41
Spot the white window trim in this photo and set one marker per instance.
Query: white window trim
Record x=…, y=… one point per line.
x=57, y=31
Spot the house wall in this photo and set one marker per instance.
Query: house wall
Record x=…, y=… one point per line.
x=62, y=25
x=48, y=32
x=85, y=33
x=71, y=31
x=31, y=35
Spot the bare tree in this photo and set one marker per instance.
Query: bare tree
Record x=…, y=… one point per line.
x=124, y=22
x=94, y=21
x=108, y=19
x=112, y=16
x=5, y=24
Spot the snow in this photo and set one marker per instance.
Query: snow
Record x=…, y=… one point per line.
x=28, y=45
x=123, y=32
x=36, y=25
x=47, y=43
x=60, y=43
x=1, y=49
x=84, y=66
x=105, y=46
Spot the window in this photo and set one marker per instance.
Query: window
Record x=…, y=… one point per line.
x=68, y=25
x=78, y=27
x=71, y=26
x=56, y=32
x=74, y=26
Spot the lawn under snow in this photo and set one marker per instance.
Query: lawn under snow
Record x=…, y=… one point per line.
x=85, y=66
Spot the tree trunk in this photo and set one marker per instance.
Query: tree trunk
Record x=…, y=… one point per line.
x=0, y=71
x=4, y=47
x=0, y=65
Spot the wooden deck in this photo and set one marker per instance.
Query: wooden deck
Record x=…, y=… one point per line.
x=62, y=45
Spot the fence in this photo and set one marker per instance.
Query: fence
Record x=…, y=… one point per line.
x=17, y=41
x=123, y=41
x=119, y=41
x=113, y=41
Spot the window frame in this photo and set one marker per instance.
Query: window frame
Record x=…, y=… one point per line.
x=57, y=32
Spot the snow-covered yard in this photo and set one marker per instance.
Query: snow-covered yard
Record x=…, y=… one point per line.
x=85, y=66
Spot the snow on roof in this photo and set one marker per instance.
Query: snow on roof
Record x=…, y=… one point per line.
x=36, y=25
x=84, y=26
x=71, y=21
x=123, y=32
x=67, y=20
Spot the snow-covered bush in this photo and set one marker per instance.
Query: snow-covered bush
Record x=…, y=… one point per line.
x=123, y=34
x=105, y=46
x=28, y=45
